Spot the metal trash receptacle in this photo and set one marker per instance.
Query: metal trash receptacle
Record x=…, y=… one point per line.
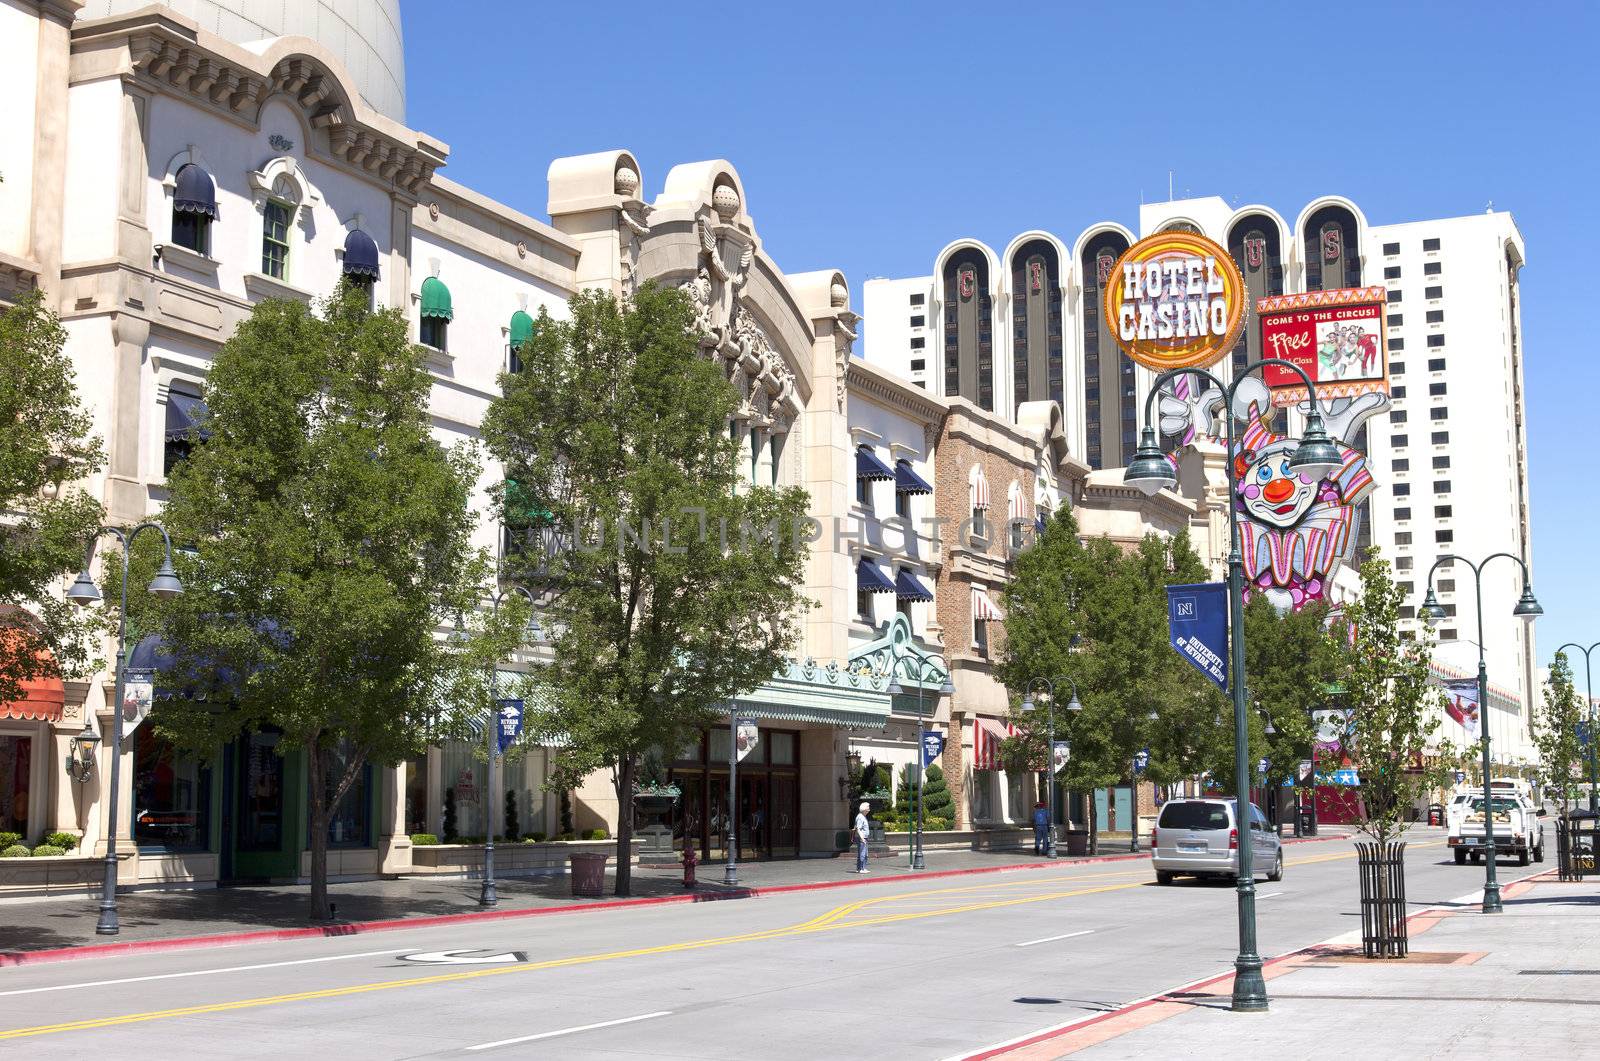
x=588, y=872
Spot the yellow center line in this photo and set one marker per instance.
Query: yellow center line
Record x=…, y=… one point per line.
x=825, y=922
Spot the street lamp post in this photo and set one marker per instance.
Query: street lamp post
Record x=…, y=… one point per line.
x=487, y=896
x=924, y=669
x=730, y=870
x=1588, y=677
x=83, y=593
x=1050, y=751
x=1527, y=609
x=1151, y=471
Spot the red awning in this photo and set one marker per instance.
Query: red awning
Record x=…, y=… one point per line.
x=987, y=736
x=43, y=700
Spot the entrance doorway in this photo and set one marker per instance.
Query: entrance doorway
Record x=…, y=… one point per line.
x=267, y=828
x=769, y=798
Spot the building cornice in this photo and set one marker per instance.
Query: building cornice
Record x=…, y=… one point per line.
x=888, y=389
x=529, y=226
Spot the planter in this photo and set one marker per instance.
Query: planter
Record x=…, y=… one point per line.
x=656, y=833
x=1383, y=899
x=1077, y=841
x=510, y=860
x=588, y=874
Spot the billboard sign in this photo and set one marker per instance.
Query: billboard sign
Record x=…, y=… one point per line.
x=1337, y=337
x=1175, y=300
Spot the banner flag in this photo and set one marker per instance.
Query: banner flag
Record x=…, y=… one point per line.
x=509, y=712
x=1062, y=755
x=1197, y=625
x=746, y=736
x=932, y=747
x=1463, y=705
x=138, y=693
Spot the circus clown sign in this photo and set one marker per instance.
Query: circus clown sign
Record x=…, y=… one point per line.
x=1176, y=300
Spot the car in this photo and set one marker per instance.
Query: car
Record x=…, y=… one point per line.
x=1517, y=829
x=1200, y=837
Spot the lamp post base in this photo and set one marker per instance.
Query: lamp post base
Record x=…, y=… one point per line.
x=1491, y=898
x=487, y=896
x=1249, y=986
x=730, y=875
x=107, y=925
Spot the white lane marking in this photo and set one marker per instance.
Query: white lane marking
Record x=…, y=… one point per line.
x=1052, y=939
x=1269, y=895
x=202, y=972
x=462, y=957
x=570, y=1031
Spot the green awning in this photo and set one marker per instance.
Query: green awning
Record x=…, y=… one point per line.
x=436, y=299
x=522, y=508
x=853, y=717
x=521, y=328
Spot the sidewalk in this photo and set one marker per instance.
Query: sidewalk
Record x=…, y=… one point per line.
x=48, y=924
x=1521, y=981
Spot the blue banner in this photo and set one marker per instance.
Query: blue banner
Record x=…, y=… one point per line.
x=1197, y=624
x=1141, y=759
x=932, y=747
x=509, y=726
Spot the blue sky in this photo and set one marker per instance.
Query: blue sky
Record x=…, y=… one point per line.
x=870, y=135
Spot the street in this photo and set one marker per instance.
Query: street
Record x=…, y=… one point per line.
x=913, y=969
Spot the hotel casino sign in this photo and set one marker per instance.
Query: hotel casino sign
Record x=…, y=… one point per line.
x=1175, y=300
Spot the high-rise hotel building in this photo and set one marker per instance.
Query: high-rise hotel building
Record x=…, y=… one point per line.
x=1450, y=455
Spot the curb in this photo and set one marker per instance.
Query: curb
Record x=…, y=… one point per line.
x=356, y=928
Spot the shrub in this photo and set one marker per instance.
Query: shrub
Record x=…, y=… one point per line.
x=47, y=850
x=9, y=840
x=535, y=838
x=15, y=851
x=449, y=815
x=65, y=841
x=596, y=834
x=423, y=840
x=567, y=836
x=513, y=827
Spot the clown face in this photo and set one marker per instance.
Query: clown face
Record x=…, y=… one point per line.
x=1270, y=492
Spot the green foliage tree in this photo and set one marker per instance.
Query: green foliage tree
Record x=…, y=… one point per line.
x=1097, y=613
x=938, y=805
x=332, y=538
x=45, y=524
x=1555, y=732
x=673, y=585
x=1394, y=709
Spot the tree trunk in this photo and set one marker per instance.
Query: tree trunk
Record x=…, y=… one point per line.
x=625, y=824
x=1094, y=824
x=316, y=805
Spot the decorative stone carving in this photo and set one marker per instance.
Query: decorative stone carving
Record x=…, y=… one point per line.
x=626, y=182
x=725, y=200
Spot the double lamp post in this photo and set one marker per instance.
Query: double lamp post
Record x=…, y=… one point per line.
x=921, y=669
x=1589, y=732
x=1049, y=685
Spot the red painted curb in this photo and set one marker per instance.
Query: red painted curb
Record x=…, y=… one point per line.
x=356, y=928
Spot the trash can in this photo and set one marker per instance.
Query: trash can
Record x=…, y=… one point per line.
x=1077, y=841
x=1308, y=820
x=588, y=871
x=1436, y=814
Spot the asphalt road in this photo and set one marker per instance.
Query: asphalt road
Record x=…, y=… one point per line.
x=907, y=969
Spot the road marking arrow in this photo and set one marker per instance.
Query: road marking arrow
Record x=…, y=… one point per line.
x=465, y=957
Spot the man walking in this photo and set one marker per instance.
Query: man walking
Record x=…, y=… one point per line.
x=1041, y=829
x=863, y=829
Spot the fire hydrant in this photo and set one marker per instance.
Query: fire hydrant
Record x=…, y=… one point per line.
x=688, y=866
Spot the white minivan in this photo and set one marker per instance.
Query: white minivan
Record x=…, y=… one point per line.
x=1201, y=837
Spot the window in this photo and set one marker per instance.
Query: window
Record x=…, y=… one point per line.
x=918, y=321
x=1402, y=563
x=1441, y=438
x=1447, y=585
x=919, y=364
x=980, y=636
x=1444, y=537
x=185, y=426
x=1402, y=489
x=275, y=238
x=919, y=342
x=1447, y=635
x=1398, y=390
x=1436, y=389
x=902, y=503
x=1436, y=340
x=1398, y=441
x=903, y=606
x=1435, y=364
x=1443, y=512
x=1403, y=538
x=1391, y=272
x=864, y=491
x=1391, y=248
x=1441, y=486
x=171, y=797
x=1435, y=316
x=1397, y=368
x=435, y=313
x=1398, y=416
x=1432, y=268
x=1402, y=513
x=1433, y=292
x=1396, y=319
x=1397, y=343
x=194, y=207
x=1430, y=244
x=350, y=823
x=1408, y=611
x=1406, y=588
x=192, y=231
x=1395, y=296
x=864, y=604
x=1439, y=413
x=1402, y=464
x=919, y=299
x=1441, y=463
x=432, y=332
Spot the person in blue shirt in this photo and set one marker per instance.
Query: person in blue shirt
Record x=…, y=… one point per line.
x=1041, y=829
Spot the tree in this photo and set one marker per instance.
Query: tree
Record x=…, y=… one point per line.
x=332, y=543
x=1561, y=712
x=1097, y=614
x=44, y=525
x=1394, y=707
x=672, y=584
x=938, y=805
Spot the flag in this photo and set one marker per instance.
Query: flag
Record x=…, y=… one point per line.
x=746, y=736
x=1463, y=706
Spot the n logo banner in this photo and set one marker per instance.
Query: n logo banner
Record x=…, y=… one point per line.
x=932, y=747
x=1197, y=624
x=508, y=723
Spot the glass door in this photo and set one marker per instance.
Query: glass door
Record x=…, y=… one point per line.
x=754, y=818
x=717, y=820
x=785, y=837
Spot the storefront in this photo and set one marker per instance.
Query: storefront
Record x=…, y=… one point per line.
x=769, y=796
x=24, y=755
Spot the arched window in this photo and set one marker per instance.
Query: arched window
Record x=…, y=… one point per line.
x=968, y=328
x=1036, y=323
x=1253, y=244
x=361, y=257
x=1110, y=408
x=194, y=207
x=436, y=313
x=1333, y=252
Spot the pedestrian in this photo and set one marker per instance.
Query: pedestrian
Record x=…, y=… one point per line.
x=863, y=830
x=1041, y=829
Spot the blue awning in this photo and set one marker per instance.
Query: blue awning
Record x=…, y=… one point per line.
x=186, y=413
x=360, y=255
x=869, y=578
x=194, y=192
x=868, y=466
x=907, y=481
x=909, y=587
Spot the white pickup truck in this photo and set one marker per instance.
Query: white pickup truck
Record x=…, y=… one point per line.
x=1517, y=828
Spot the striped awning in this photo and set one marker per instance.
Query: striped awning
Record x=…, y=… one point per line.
x=870, y=467
x=978, y=486
x=984, y=609
x=869, y=578
x=1016, y=506
x=987, y=736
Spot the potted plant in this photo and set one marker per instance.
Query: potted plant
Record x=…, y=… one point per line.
x=877, y=786
x=654, y=794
